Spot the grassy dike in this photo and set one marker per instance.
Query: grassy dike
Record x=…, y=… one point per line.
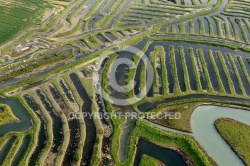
x=174, y=69
x=243, y=68
x=237, y=74
x=227, y=31
x=143, y=78
x=153, y=56
x=162, y=55
x=236, y=34
x=218, y=25
x=33, y=132
x=216, y=71
x=49, y=128
x=73, y=30
x=244, y=35
x=107, y=18
x=215, y=8
x=247, y=23
x=82, y=126
x=58, y=88
x=191, y=24
x=221, y=43
x=52, y=73
x=201, y=26
x=236, y=134
x=205, y=71
x=97, y=152
x=225, y=69
x=184, y=67
x=195, y=69
x=14, y=149
x=78, y=9
x=149, y=161
x=211, y=30
x=32, y=67
x=65, y=130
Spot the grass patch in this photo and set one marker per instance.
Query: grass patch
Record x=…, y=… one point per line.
x=148, y=161
x=6, y=115
x=183, y=123
x=237, y=135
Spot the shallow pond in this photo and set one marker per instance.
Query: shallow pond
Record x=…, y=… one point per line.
x=168, y=156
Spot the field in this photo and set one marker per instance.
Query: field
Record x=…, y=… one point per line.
x=55, y=75
x=17, y=15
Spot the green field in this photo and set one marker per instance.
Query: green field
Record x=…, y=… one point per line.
x=17, y=15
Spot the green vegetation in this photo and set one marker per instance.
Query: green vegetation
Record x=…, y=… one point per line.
x=236, y=34
x=205, y=71
x=236, y=135
x=211, y=31
x=153, y=57
x=49, y=130
x=72, y=14
x=191, y=24
x=201, y=26
x=237, y=74
x=195, y=68
x=184, y=66
x=174, y=69
x=216, y=71
x=18, y=15
x=161, y=52
x=29, y=68
x=182, y=124
x=166, y=139
x=242, y=30
x=149, y=161
x=225, y=69
x=69, y=25
x=6, y=115
x=219, y=28
x=243, y=67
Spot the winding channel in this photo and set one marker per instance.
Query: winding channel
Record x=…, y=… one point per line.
x=19, y=111
x=204, y=131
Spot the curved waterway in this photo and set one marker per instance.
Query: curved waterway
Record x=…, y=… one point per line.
x=89, y=123
x=19, y=111
x=168, y=156
x=146, y=107
x=204, y=131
